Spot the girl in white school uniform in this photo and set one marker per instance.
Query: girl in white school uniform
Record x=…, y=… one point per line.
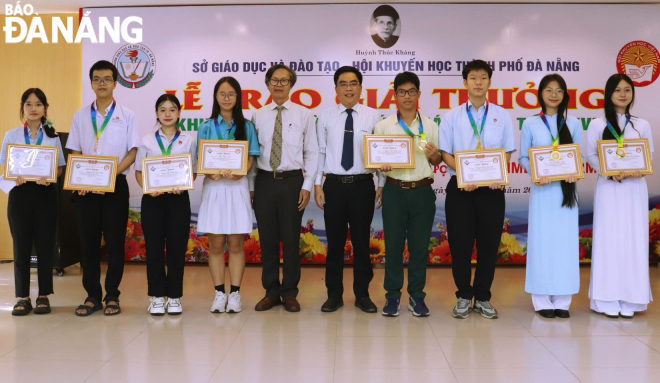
x=32, y=206
x=225, y=213
x=620, y=283
x=166, y=216
x=553, y=253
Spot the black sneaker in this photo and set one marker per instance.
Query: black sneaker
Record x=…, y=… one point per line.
x=366, y=304
x=418, y=307
x=391, y=308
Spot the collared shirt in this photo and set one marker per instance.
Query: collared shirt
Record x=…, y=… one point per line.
x=637, y=128
x=423, y=169
x=330, y=133
x=456, y=132
x=535, y=133
x=299, y=145
x=149, y=147
x=17, y=136
x=119, y=137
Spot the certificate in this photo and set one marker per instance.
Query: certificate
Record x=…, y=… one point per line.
x=636, y=156
x=481, y=167
x=217, y=155
x=32, y=162
x=91, y=173
x=163, y=174
x=568, y=164
x=393, y=149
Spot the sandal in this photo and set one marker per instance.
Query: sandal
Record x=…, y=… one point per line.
x=89, y=310
x=115, y=306
x=42, y=302
x=27, y=307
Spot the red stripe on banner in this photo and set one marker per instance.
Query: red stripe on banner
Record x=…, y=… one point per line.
x=79, y=15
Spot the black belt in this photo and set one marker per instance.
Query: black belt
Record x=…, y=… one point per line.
x=280, y=175
x=349, y=179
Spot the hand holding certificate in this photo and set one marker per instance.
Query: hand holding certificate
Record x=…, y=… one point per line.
x=31, y=162
x=90, y=173
x=214, y=156
x=394, y=150
x=481, y=167
x=167, y=174
x=544, y=162
x=632, y=157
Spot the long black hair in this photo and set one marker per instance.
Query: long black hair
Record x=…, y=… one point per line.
x=168, y=97
x=237, y=112
x=49, y=130
x=610, y=111
x=568, y=189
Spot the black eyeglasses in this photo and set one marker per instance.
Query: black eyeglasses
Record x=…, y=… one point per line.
x=402, y=92
x=282, y=81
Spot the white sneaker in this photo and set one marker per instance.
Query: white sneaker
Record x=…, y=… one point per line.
x=174, y=306
x=219, y=302
x=234, y=303
x=627, y=314
x=157, y=306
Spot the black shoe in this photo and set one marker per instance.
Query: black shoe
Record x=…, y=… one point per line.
x=547, y=313
x=332, y=304
x=562, y=314
x=365, y=304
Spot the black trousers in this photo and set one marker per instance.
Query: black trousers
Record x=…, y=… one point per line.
x=166, y=225
x=278, y=220
x=107, y=215
x=32, y=214
x=348, y=205
x=476, y=215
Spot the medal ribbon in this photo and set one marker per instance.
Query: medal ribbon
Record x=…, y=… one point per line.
x=230, y=135
x=474, y=124
x=555, y=140
x=105, y=122
x=40, y=135
x=619, y=138
x=169, y=148
x=405, y=127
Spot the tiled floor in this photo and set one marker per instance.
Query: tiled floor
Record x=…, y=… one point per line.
x=310, y=346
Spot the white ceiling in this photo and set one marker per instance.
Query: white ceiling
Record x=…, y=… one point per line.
x=72, y=6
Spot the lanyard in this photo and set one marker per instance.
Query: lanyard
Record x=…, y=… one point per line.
x=555, y=140
x=231, y=131
x=98, y=132
x=169, y=148
x=477, y=133
x=405, y=127
x=619, y=138
x=40, y=135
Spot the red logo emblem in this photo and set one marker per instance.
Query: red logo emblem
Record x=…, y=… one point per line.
x=639, y=60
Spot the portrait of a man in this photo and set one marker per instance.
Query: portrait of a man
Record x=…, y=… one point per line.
x=385, y=26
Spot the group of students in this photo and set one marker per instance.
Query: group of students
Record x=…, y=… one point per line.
x=289, y=154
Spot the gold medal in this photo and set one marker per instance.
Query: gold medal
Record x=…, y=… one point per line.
x=479, y=147
x=555, y=155
x=422, y=144
x=621, y=152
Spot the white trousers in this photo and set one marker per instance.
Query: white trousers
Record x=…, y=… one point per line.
x=616, y=306
x=551, y=302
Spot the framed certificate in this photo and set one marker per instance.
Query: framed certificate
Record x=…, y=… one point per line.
x=636, y=156
x=216, y=155
x=91, y=173
x=568, y=164
x=163, y=174
x=32, y=162
x=481, y=167
x=391, y=149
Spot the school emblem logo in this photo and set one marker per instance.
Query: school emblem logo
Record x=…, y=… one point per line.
x=639, y=60
x=136, y=64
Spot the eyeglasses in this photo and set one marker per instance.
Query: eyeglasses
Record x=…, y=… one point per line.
x=550, y=91
x=104, y=80
x=281, y=81
x=345, y=84
x=411, y=92
x=385, y=23
x=229, y=96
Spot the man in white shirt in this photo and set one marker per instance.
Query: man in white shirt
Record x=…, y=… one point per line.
x=282, y=180
x=475, y=213
x=103, y=128
x=348, y=194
